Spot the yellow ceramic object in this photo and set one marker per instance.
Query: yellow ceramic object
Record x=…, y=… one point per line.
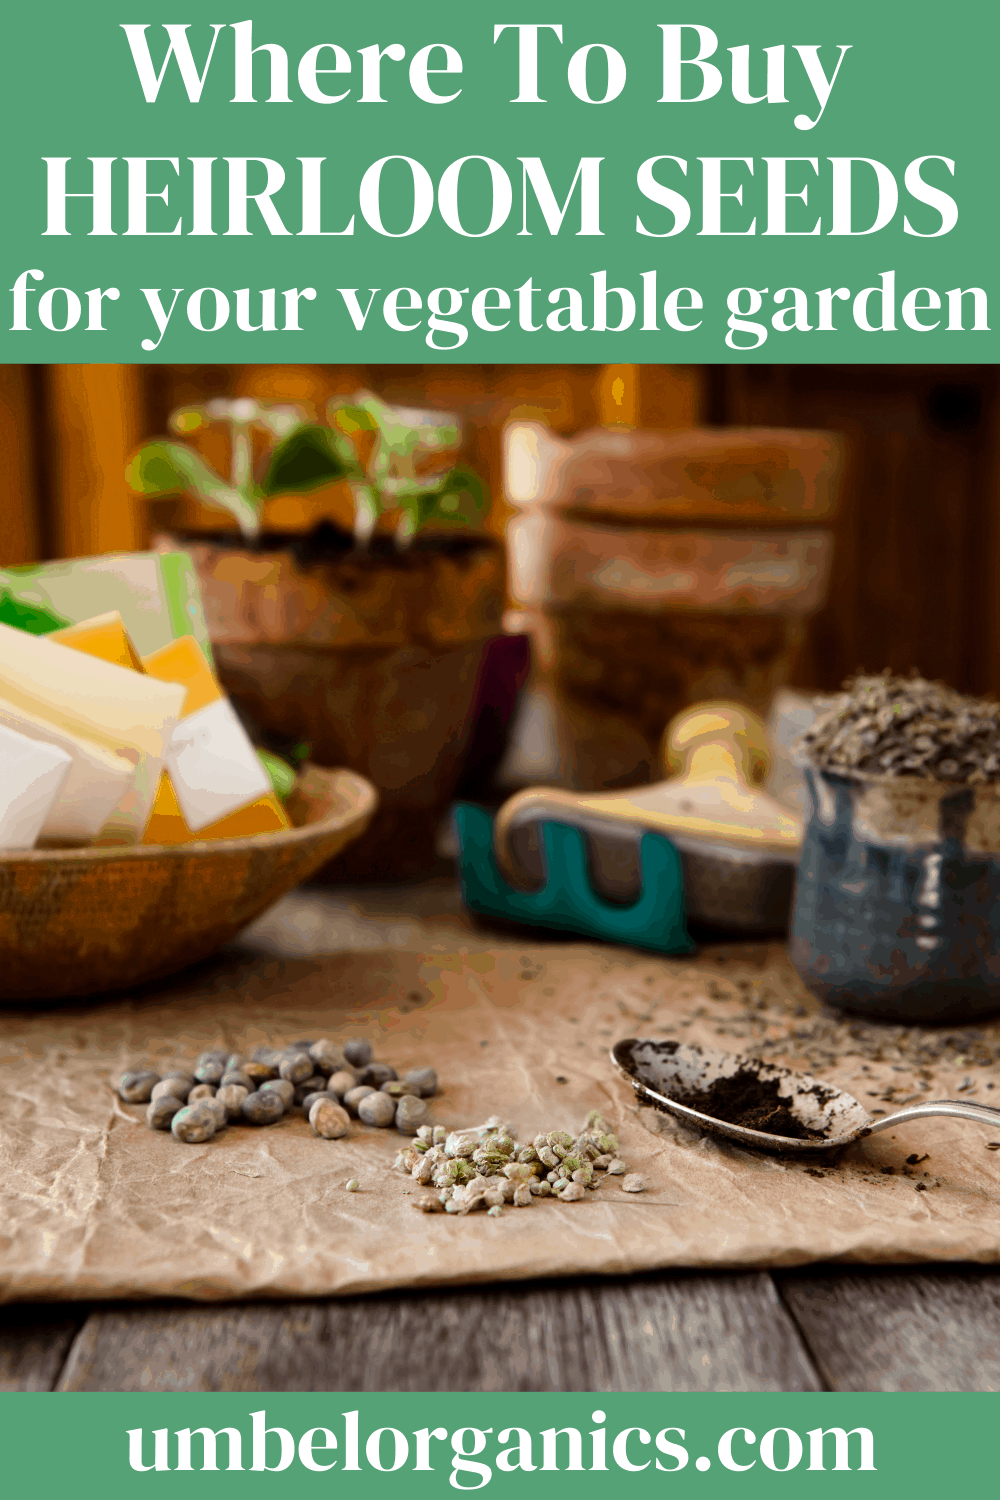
x=718, y=753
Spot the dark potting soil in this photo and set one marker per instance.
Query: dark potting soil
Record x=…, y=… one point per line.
x=744, y=1099
x=327, y=543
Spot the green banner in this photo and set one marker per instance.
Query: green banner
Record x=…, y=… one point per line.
x=401, y=183
x=720, y=1444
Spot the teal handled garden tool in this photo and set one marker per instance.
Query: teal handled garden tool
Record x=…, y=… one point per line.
x=566, y=900
x=601, y=858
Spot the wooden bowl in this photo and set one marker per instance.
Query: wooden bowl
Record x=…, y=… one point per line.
x=85, y=921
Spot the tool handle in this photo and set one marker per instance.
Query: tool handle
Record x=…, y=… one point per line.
x=954, y=1109
x=717, y=738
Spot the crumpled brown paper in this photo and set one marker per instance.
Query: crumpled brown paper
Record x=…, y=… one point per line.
x=94, y=1205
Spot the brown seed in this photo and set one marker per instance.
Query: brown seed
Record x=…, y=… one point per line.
x=137, y=1087
x=411, y=1113
x=161, y=1111
x=341, y=1082
x=329, y=1120
x=377, y=1109
x=231, y=1097
x=296, y=1067
x=171, y=1088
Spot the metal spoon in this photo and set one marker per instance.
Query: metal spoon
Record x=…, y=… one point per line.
x=816, y=1115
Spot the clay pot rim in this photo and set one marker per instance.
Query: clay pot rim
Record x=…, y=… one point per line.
x=353, y=801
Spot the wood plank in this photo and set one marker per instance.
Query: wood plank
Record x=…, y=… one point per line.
x=900, y=1331
x=34, y=1343
x=674, y=1333
x=95, y=419
x=21, y=528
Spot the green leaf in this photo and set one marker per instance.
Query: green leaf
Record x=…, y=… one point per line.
x=458, y=499
x=34, y=619
x=308, y=457
x=280, y=774
x=164, y=468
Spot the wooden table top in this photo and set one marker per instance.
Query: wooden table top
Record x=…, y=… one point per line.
x=818, y=1329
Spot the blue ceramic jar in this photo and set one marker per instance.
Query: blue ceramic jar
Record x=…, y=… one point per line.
x=896, y=913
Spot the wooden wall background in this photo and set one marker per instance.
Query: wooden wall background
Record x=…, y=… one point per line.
x=918, y=537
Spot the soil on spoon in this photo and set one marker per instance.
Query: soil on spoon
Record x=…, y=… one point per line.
x=744, y=1099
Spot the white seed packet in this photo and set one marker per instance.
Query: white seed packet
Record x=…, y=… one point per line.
x=97, y=781
x=213, y=766
x=30, y=778
x=123, y=711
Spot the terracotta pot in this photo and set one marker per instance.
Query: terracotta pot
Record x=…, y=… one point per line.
x=660, y=569
x=372, y=659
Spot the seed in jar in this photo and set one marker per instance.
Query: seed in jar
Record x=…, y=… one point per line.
x=411, y=1113
x=231, y=1097
x=263, y=1109
x=426, y=1080
x=341, y=1082
x=329, y=1119
x=160, y=1112
x=201, y=1091
x=633, y=1183
x=354, y=1096
x=296, y=1067
x=377, y=1109
x=283, y=1088
x=193, y=1124
x=136, y=1087
x=358, y=1051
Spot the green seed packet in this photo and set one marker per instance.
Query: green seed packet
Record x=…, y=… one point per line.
x=156, y=593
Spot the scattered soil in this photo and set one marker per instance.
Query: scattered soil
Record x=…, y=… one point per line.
x=747, y=1100
x=906, y=726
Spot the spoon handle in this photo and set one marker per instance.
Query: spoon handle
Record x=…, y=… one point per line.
x=955, y=1109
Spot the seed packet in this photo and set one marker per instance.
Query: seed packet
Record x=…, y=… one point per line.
x=215, y=785
x=120, y=710
x=156, y=594
x=31, y=776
